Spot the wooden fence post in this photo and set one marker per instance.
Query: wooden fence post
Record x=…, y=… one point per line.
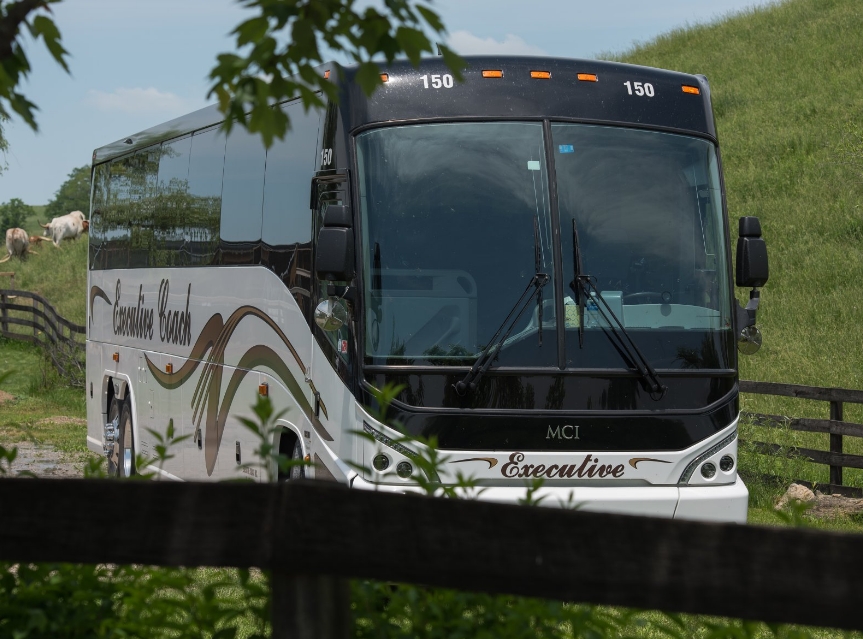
x=836, y=443
x=35, y=329
x=309, y=606
x=4, y=314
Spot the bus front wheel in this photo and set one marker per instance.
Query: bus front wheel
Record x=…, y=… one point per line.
x=113, y=459
x=298, y=471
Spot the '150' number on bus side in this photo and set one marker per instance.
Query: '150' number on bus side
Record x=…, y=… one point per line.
x=437, y=81
x=639, y=88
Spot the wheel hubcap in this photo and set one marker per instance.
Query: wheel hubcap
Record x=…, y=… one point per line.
x=127, y=462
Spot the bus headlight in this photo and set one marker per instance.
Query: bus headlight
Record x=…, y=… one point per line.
x=381, y=462
x=708, y=470
x=404, y=470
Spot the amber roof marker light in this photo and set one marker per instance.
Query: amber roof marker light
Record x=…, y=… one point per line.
x=385, y=77
x=690, y=89
x=541, y=75
x=588, y=77
x=492, y=73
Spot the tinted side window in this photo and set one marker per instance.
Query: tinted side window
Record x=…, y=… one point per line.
x=290, y=168
x=142, y=169
x=172, y=203
x=101, y=179
x=115, y=214
x=287, y=223
x=205, y=195
x=242, y=197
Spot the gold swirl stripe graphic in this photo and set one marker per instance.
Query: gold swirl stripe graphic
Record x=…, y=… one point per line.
x=95, y=292
x=635, y=461
x=215, y=337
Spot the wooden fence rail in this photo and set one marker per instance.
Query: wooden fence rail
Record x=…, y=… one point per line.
x=314, y=535
x=835, y=427
x=43, y=325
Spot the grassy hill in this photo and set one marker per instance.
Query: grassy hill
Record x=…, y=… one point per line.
x=788, y=96
x=787, y=86
x=57, y=274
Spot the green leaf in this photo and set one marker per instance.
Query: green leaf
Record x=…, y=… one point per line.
x=455, y=62
x=45, y=27
x=413, y=42
x=431, y=18
x=251, y=31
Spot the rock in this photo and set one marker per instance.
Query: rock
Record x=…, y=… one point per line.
x=795, y=492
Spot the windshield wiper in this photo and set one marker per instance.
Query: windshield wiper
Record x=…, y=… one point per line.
x=485, y=360
x=536, y=269
x=491, y=352
x=581, y=286
x=576, y=289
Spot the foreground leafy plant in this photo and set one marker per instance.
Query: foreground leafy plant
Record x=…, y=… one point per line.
x=71, y=600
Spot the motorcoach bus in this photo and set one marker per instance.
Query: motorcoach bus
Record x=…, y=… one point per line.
x=540, y=255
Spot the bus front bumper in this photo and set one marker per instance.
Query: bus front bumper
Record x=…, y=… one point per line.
x=725, y=503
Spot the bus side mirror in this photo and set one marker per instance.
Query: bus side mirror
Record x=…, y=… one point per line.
x=752, y=270
x=752, y=266
x=334, y=253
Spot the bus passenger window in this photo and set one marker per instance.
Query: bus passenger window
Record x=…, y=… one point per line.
x=286, y=232
x=171, y=204
x=242, y=197
x=205, y=195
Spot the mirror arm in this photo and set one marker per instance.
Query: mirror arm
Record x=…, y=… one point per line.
x=347, y=293
x=746, y=316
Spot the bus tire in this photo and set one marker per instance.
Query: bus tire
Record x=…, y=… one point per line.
x=114, y=413
x=298, y=471
x=126, y=443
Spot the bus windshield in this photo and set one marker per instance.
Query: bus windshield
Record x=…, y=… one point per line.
x=456, y=221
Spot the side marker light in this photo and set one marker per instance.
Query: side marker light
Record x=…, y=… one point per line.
x=492, y=73
x=689, y=89
x=169, y=368
x=541, y=75
x=588, y=77
x=263, y=389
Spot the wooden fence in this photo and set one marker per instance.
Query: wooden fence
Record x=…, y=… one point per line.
x=30, y=317
x=837, y=429
x=314, y=535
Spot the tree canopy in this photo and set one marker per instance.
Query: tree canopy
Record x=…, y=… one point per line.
x=279, y=48
x=13, y=214
x=73, y=194
x=34, y=17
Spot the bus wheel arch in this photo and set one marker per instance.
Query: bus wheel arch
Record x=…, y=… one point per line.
x=117, y=394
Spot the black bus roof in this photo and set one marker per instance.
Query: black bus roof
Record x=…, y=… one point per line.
x=565, y=89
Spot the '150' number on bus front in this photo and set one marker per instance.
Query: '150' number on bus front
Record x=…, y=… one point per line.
x=437, y=81
x=640, y=88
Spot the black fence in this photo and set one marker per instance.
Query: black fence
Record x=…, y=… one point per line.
x=835, y=458
x=30, y=317
x=315, y=535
